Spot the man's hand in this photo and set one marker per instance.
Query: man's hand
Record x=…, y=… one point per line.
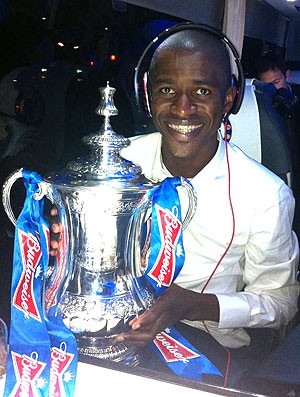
x=175, y=304
x=55, y=232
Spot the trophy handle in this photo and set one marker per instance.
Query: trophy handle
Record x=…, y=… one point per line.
x=192, y=203
x=6, y=194
x=9, y=182
x=133, y=253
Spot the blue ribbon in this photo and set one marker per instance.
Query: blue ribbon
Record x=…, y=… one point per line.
x=38, y=344
x=63, y=356
x=165, y=262
x=166, y=246
x=181, y=357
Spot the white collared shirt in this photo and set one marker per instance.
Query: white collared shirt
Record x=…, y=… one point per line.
x=255, y=283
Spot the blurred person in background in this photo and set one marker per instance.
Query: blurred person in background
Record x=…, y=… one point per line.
x=286, y=99
x=274, y=70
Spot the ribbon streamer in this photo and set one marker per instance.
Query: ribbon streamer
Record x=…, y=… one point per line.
x=166, y=256
x=181, y=357
x=166, y=260
x=40, y=347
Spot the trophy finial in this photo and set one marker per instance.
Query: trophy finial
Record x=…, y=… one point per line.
x=105, y=160
x=107, y=107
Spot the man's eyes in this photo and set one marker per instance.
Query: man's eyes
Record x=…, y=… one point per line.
x=202, y=91
x=167, y=90
x=199, y=91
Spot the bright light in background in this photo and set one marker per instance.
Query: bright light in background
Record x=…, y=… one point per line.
x=43, y=73
x=79, y=74
x=60, y=44
x=76, y=47
x=112, y=57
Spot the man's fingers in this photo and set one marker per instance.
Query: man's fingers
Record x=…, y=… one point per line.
x=53, y=252
x=53, y=211
x=135, y=338
x=56, y=228
x=54, y=244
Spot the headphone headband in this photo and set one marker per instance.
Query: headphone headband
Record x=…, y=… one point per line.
x=139, y=76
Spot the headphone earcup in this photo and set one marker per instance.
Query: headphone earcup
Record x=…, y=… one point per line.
x=238, y=99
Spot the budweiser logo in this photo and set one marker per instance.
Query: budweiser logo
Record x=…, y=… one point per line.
x=169, y=229
x=60, y=360
x=172, y=350
x=31, y=253
x=27, y=370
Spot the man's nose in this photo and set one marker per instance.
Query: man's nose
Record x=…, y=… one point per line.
x=183, y=105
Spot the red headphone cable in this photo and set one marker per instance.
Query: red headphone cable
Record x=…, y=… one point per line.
x=227, y=136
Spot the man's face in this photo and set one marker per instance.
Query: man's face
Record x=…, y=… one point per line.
x=189, y=98
x=275, y=77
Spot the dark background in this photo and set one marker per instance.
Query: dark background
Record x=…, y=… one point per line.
x=31, y=29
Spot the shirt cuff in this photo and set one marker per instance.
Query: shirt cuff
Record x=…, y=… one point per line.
x=234, y=311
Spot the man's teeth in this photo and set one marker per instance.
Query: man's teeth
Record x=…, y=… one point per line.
x=184, y=129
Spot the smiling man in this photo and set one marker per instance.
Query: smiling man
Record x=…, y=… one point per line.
x=187, y=104
x=238, y=282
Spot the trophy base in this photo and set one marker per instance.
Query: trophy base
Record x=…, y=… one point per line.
x=117, y=353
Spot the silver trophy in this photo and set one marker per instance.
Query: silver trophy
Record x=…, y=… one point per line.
x=102, y=242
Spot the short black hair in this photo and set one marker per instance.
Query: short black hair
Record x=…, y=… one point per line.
x=193, y=40
x=270, y=61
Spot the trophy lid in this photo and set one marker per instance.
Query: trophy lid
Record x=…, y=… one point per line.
x=104, y=161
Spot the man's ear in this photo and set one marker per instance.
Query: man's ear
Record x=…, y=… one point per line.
x=229, y=99
x=288, y=74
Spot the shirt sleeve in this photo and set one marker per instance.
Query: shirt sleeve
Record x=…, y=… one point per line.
x=270, y=294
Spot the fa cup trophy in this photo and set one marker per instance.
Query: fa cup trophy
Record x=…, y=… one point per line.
x=103, y=251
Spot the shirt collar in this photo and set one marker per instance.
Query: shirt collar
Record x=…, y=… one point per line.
x=159, y=171
x=214, y=169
